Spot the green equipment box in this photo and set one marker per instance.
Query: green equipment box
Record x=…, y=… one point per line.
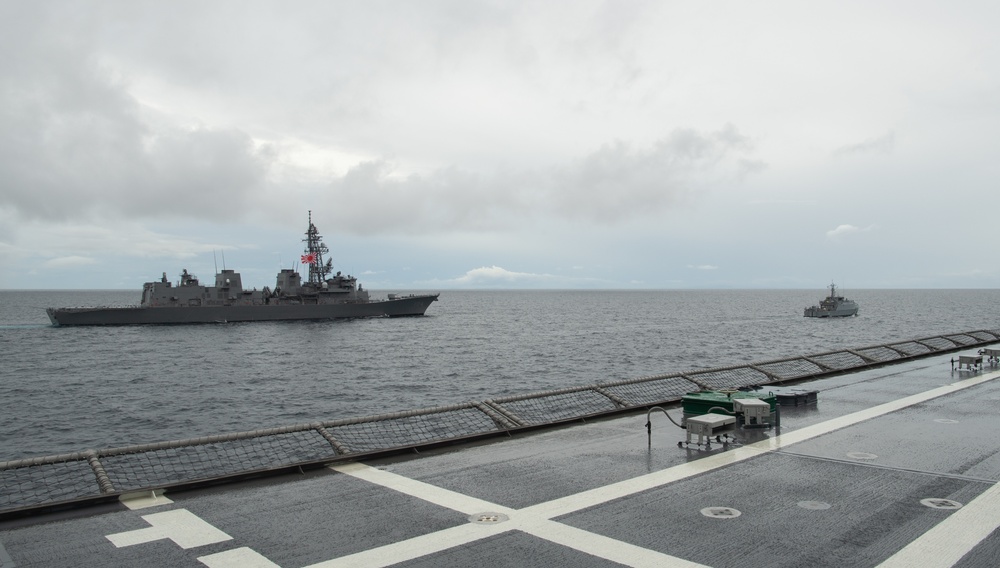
x=698, y=403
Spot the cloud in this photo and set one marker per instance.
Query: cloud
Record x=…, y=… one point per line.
x=530, y=135
x=784, y=201
x=619, y=182
x=747, y=167
x=74, y=244
x=495, y=275
x=74, y=143
x=703, y=266
x=612, y=185
x=69, y=261
x=98, y=124
x=881, y=145
x=498, y=277
x=844, y=230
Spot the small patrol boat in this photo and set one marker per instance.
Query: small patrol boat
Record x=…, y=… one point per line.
x=833, y=306
x=321, y=297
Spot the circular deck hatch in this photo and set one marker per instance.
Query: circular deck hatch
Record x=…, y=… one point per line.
x=720, y=512
x=946, y=504
x=488, y=518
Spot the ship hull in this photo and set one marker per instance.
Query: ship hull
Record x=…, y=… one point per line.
x=138, y=315
x=839, y=313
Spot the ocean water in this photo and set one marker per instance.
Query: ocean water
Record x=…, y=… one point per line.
x=75, y=388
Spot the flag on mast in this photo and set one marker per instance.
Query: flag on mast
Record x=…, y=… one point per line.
x=309, y=258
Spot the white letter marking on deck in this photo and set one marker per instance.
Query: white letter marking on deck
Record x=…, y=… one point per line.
x=180, y=526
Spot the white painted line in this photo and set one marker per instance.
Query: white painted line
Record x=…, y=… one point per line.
x=415, y=547
x=424, y=491
x=536, y=519
x=586, y=542
x=601, y=546
x=590, y=543
x=144, y=500
x=850, y=419
x=179, y=525
x=600, y=495
x=237, y=558
x=951, y=539
x=526, y=520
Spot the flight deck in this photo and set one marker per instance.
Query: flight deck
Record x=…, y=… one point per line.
x=890, y=466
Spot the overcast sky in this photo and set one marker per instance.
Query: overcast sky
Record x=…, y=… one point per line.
x=461, y=144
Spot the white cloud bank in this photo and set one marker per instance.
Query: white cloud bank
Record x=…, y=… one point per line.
x=845, y=230
x=625, y=138
x=69, y=261
x=501, y=278
x=880, y=145
x=486, y=276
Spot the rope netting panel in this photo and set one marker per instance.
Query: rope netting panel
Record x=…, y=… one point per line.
x=410, y=429
x=555, y=407
x=650, y=391
x=36, y=482
x=46, y=483
x=985, y=335
x=938, y=343
x=839, y=360
x=879, y=353
x=791, y=369
x=159, y=467
x=911, y=348
x=961, y=339
x=735, y=377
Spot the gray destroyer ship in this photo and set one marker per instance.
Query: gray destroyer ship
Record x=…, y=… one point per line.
x=833, y=306
x=320, y=297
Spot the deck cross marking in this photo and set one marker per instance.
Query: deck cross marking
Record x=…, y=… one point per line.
x=537, y=519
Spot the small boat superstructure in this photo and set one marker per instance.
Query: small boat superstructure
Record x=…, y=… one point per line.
x=321, y=297
x=833, y=306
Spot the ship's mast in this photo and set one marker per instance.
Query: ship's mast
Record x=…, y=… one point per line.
x=314, y=252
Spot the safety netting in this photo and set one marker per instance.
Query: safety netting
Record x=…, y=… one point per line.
x=61, y=480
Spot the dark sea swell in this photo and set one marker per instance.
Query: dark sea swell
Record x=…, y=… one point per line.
x=73, y=388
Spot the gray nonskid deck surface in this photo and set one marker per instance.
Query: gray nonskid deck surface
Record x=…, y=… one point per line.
x=846, y=482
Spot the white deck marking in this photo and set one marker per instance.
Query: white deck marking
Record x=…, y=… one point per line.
x=536, y=519
x=602, y=546
x=590, y=543
x=415, y=547
x=179, y=525
x=237, y=558
x=860, y=416
x=599, y=495
x=144, y=500
x=951, y=539
x=424, y=491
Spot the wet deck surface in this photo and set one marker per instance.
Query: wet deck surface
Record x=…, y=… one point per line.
x=895, y=466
